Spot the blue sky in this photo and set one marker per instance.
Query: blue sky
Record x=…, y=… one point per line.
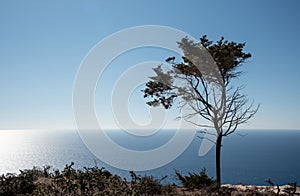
x=44, y=42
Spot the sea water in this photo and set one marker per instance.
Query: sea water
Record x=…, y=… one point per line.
x=249, y=157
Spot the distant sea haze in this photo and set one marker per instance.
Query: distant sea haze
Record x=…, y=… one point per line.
x=249, y=157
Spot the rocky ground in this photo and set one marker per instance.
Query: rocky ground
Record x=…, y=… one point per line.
x=243, y=190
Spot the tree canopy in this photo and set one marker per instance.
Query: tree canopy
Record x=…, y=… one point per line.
x=201, y=80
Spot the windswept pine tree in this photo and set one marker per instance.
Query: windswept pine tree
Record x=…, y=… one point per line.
x=201, y=80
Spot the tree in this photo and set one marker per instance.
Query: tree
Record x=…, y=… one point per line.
x=202, y=81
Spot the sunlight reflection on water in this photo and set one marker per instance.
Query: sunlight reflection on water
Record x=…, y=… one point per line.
x=23, y=149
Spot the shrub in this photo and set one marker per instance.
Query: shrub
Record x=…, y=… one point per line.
x=98, y=181
x=194, y=180
x=147, y=185
x=12, y=184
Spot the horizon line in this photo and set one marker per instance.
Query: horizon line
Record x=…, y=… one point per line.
x=168, y=129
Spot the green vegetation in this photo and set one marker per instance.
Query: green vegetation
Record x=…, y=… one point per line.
x=69, y=181
x=196, y=181
x=98, y=181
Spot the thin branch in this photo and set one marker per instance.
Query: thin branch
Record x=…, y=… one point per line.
x=198, y=125
x=206, y=132
x=207, y=139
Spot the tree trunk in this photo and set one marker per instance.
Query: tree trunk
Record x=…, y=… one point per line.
x=218, y=158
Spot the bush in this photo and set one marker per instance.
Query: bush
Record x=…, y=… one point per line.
x=12, y=184
x=98, y=181
x=147, y=185
x=194, y=180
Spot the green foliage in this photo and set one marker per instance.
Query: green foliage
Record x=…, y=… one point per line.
x=98, y=181
x=69, y=181
x=163, y=88
x=194, y=180
x=147, y=185
x=227, y=54
x=12, y=184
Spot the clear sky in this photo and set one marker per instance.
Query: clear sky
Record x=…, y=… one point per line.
x=42, y=44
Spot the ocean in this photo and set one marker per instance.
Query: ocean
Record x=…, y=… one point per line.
x=249, y=157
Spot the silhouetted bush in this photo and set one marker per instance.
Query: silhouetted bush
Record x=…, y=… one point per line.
x=12, y=184
x=194, y=180
x=97, y=181
x=147, y=185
